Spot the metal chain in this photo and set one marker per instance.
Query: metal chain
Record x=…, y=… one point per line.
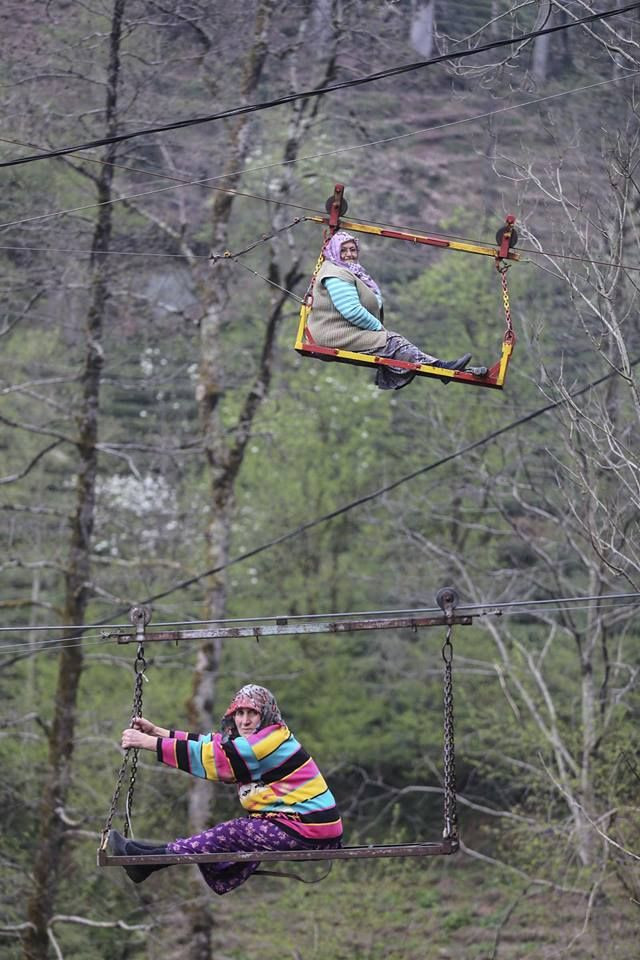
x=450, y=806
x=308, y=297
x=502, y=270
x=139, y=667
x=140, y=617
x=115, y=798
x=307, y=301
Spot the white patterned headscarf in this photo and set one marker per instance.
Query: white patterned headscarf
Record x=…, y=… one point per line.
x=331, y=252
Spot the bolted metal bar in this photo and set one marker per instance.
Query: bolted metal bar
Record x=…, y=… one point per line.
x=458, y=245
x=284, y=629
x=439, y=848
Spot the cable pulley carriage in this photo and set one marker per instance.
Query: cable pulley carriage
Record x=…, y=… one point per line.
x=506, y=239
x=447, y=600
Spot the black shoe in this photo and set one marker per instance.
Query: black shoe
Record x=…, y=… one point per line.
x=458, y=364
x=119, y=846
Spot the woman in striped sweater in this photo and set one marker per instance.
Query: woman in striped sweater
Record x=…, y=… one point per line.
x=288, y=802
x=347, y=313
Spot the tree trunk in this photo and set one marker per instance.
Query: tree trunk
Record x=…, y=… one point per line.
x=47, y=866
x=542, y=45
x=210, y=390
x=423, y=28
x=225, y=449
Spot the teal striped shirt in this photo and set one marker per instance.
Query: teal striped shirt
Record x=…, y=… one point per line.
x=345, y=299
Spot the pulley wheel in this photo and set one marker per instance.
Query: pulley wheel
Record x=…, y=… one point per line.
x=344, y=206
x=447, y=597
x=513, y=239
x=140, y=615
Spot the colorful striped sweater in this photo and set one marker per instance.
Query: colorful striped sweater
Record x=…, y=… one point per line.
x=275, y=775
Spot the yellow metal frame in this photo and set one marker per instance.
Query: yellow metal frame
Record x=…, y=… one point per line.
x=422, y=238
x=495, y=376
x=493, y=379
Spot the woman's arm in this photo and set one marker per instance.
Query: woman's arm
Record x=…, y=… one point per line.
x=142, y=734
x=138, y=740
x=139, y=723
x=202, y=755
x=345, y=299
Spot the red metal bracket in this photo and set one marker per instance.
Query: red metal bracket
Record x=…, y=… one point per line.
x=503, y=250
x=336, y=208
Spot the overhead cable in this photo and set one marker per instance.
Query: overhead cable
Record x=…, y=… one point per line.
x=184, y=584
x=461, y=452
x=232, y=257
x=508, y=607
x=177, y=182
x=321, y=91
x=111, y=253
x=332, y=614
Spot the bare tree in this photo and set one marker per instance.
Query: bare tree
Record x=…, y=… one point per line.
x=564, y=523
x=61, y=739
x=225, y=448
x=216, y=289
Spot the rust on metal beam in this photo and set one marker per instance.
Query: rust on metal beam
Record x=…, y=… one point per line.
x=438, y=848
x=283, y=628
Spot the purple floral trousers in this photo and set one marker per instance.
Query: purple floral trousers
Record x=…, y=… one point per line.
x=245, y=833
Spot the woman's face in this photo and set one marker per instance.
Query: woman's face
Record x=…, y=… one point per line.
x=247, y=721
x=349, y=251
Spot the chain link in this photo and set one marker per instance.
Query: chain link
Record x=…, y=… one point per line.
x=139, y=667
x=308, y=297
x=450, y=805
x=502, y=270
x=116, y=797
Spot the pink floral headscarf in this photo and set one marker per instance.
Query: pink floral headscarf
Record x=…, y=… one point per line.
x=331, y=252
x=255, y=698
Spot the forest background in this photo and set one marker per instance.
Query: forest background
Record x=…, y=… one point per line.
x=162, y=442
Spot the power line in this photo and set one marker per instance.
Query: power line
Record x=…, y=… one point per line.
x=302, y=528
x=180, y=182
x=111, y=253
x=48, y=627
x=321, y=91
x=208, y=181
x=233, y=256
x=310, y=617
x=463, y=451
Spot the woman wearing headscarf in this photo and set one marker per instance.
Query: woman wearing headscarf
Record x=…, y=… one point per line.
x=287, y=801
x=347, y=313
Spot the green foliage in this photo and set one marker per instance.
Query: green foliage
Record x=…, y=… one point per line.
x=546, y=701
x=457, y=919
